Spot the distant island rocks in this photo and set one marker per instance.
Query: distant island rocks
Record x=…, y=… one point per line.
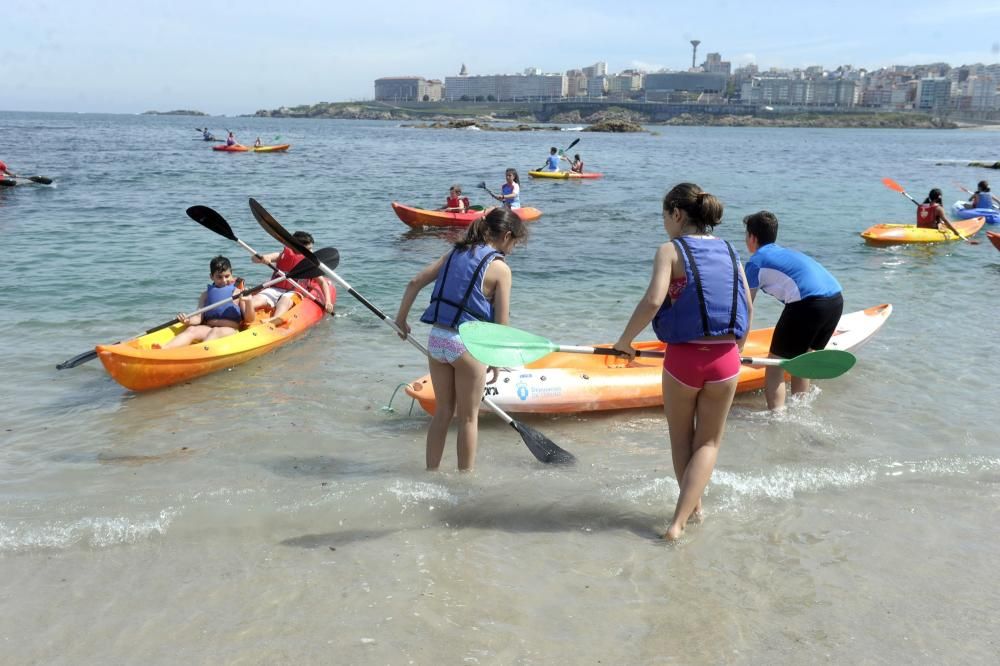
x=178, y=112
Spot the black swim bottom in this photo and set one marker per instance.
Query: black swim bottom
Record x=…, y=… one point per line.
x=806, y=324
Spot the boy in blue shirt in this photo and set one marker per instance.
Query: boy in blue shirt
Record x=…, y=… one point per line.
x=812, y=297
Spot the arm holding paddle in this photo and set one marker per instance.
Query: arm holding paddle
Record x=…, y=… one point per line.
x=941, y=218
x=651, y=301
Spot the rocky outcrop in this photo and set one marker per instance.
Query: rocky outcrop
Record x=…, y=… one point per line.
x=614, y=126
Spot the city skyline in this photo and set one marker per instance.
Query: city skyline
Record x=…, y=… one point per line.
x=131, y=57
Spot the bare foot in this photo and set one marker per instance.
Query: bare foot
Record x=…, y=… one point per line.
x=697, y=517
x=674, y=532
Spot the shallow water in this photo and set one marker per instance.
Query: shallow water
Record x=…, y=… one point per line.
x=279, y=513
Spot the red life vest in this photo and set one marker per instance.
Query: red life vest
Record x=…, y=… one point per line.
x=287, y=260
x=926, y=218
x=314, y=286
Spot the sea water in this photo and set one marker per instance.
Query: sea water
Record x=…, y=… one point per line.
x=279, y=512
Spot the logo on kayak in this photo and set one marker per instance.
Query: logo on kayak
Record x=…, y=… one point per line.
x=522, y=391
x=491, y=391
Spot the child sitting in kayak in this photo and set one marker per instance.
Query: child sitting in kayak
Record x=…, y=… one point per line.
x=456, y=203
x=231, y=139
x=510, y=191
x=223, y=320
x=930, y=214
x=257, y=143
x=575, y=164
x=982, y=197
x=279, y=297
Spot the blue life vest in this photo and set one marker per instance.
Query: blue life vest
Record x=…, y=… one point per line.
x=983, y=200
x=713, y=303
x=229, y=311
x=507, y=190
x=458, y=289
x=552, y=163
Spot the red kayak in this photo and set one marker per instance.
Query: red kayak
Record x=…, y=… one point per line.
x=994, y=238
x=235, y=148
x=421, y=217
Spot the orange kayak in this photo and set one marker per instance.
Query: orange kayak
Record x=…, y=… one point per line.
x=421, y=217
x=994, y=238
x=235, y=148
x=136, y=365
x=894, y=234
x=564, y=382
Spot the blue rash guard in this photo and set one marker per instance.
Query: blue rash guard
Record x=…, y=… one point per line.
x=552, y=163
x=789, y=275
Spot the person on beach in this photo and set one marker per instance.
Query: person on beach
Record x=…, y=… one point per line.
x=231, y=139
x=982, y=197
x=699, y=303
x=575, y=164
x=223, y=320
x=456, y=203
x=279, y=296
x=471, y=282
x=813, y=300
x=510, y=191
x=552, y=161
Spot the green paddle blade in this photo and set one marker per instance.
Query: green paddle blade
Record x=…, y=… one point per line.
x=820, y=364
x=503, y=346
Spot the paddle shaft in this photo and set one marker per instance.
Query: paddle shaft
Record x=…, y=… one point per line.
x=609, y=351
x=282, y=276
x=969, y=192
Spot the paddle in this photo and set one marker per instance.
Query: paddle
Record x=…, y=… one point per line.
x=303, y=270
x=41, y=180
x=896, y=187
x=482, y=185
x=961, y=187
x=212, y=220
x=506, y=346
x=544, y=449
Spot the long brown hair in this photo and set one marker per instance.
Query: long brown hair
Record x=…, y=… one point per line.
x=703, y=209
x=492, y=227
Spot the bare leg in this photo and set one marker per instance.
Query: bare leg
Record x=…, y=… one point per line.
x=443, y=380
x=800, y=384
x=470, y=378
x=712, y=409
x=774, y=385
x=220, y=332
x=283, y=305
x=679, y=403
x=189, y=335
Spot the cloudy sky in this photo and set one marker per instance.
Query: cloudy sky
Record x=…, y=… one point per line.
x=236, y=57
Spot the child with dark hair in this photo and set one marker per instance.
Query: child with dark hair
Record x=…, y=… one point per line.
x=812, y=298
x=510, y=191
x=471, y=283
x=455, y=203
x=223, y=320
x=699, y=303
x=279, y=297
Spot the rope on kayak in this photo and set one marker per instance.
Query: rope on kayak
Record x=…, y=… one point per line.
x=389, y=407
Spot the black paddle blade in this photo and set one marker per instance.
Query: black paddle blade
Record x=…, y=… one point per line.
x=211, y=220
x=41, y=180
x=575, y=141
x=306, y=269
x=79, y=359
x=482, y=184
x=278, y=232
x=7, y=182
x=543, y=448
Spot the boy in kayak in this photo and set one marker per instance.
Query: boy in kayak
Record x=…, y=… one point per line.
x=812, y=298
x=231, y=139
x=455, y=203
x=223, y=320
x=279, y=297
x=552, y=161
x=982, y=197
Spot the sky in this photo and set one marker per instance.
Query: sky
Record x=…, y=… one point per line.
x=230, y=58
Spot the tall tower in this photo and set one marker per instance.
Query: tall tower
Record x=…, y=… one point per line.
x=694, y=51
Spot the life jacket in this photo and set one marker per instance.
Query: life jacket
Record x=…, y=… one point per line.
x=983, y=200
x=507, y=190
x=287, y=260
x=229, y=311
x=457, y=202
x=458, y=289
x=713, y=303
x=314, y=287
x=925, y=216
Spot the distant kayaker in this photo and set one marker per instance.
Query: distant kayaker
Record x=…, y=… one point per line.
x=231, y=139
x=699, y=303
x=279, y=297
x=552, y=161
x=982, y=197
x=257, y=143
x=576, y=164
x=812, y=297
x=471, y=282
x=456, y=203
x=930, y=214
x=4, y=173
x=510, y=191
x=206, y=135
x=223, y=320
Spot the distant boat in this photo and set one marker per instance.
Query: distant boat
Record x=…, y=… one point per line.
x=571, y=129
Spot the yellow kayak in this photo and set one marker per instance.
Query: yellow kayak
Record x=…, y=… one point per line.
x=892, y=234
x=565, y=175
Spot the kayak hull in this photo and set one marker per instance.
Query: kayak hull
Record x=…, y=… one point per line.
x=271, y=149
x=571, y=383
x=895, y=234
x=994, y=238
x=565, y=175
x=991, y=215
x=421, y=217
x=235, y=148
x=137, y=366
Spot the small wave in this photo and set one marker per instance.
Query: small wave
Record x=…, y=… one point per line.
x=94, y=532
x=411, y=492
